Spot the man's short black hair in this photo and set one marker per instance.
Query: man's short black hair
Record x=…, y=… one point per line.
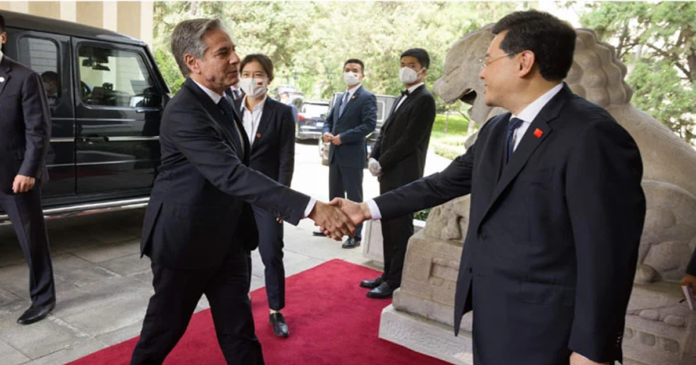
x=355, y=60
x=2, y=24
x=550, y=39
x=420, y=54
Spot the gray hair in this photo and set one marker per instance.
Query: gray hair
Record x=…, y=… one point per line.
x=187, y=38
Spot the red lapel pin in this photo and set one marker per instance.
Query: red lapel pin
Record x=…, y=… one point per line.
x=538, y=133
x=258, y=135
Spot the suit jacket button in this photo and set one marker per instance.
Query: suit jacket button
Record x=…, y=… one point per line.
x=482, y=237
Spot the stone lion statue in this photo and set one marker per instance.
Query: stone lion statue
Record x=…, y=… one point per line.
x=669, y=177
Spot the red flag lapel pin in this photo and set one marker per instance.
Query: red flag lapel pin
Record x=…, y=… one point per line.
x=258, y=135
x=538, y=133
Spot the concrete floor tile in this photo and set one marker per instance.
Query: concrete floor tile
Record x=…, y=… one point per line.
x=105, y=306
x=78, y=272
x=10, y=303
x=41, y=338
x=101, y=252
x=11, y=356
x=127, y=265
x=70, y=353
x=121, y=334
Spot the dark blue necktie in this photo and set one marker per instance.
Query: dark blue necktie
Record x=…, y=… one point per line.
x=343, y=103
x=226, y=105
x=512, y=126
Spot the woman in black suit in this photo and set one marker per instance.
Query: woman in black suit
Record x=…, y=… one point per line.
x=270, y=127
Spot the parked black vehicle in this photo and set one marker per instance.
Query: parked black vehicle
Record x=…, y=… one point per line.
x=106, y=97
x=384, y=107
x=311, y=119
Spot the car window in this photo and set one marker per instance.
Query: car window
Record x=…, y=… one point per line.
x=113, y=77
x=41, y=55
x=314, y=110
x=380, y=110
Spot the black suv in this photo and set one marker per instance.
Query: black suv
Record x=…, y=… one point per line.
x=106, y=97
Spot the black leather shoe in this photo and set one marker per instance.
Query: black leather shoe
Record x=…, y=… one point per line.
x=280, y=328
x=371, y=284
x=319, y=233
x=351, y=243
x=383, y=291
x=36, y=313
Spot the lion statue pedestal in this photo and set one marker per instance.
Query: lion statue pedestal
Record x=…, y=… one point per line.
x=659, y=329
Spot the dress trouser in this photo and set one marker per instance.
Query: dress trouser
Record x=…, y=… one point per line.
x=395, y=235
x=177, y=292
x=271, y=250
x=346, y=182
x=27, y=219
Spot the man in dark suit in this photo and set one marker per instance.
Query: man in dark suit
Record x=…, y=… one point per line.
x=557, y=208
x=25, y=129
x=199, y=218
x=398, y=158
x=270, y=127
x=348, y=124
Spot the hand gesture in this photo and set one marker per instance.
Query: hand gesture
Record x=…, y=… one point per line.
x=374, y=167
x=332, y=221
x=336, y=140
x=327, y=137
x=22, y=184
x=358, y=212
x=690, y=281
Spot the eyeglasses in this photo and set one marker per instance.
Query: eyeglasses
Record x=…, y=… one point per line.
x=484, y=62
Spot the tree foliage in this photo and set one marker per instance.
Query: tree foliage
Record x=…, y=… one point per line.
x=657, y=41
x=309, y=41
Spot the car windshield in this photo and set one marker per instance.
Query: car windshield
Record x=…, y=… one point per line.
x=314, y=110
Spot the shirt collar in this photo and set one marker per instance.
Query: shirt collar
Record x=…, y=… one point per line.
x=1, y=56
x=213, y=95
x=352, y=90
x=414, y=87
x=532, y=110
x=258, y=106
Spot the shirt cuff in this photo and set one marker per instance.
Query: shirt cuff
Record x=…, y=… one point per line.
x=374, y=210
x=310, y=206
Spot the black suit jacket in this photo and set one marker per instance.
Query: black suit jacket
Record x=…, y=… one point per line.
x=691, y=269
x=25, y=124
x=197, y=211
x=553, y=237
x=403, y=142
x=273, y=150
x=359, y=119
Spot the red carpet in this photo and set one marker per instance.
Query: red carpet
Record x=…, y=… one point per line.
x=334, y=326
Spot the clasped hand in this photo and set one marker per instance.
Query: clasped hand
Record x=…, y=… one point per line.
x=332, y=221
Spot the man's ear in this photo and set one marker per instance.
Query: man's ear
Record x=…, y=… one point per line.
x=526, y=63
x=192, y=63
x=3, y=38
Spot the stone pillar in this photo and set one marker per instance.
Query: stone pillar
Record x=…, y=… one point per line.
x=46, y=9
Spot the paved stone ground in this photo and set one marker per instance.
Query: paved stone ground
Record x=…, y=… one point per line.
x=103, y=286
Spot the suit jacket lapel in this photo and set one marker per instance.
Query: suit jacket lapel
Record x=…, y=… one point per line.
x=5, y=69
x=219, y=117
x=351, y=101
x=403, y=105
x=267, y=117
x=529, y=143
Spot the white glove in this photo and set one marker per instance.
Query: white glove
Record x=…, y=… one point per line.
x=374, y=167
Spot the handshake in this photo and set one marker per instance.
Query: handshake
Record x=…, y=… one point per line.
x=339, y=217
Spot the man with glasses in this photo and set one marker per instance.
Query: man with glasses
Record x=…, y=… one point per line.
x=557, y=208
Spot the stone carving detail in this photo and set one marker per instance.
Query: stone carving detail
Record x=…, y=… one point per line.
x=659, y=329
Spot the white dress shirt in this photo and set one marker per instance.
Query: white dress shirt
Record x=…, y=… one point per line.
x=410, y=90
x=527, y=115
x=252, y=118
x=1, y=56
x=216, y=99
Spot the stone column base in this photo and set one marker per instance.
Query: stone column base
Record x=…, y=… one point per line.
x=424, y=336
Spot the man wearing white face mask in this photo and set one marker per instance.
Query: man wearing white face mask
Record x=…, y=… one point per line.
x=398, y=158
x=271, y=130
x=348, y=124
